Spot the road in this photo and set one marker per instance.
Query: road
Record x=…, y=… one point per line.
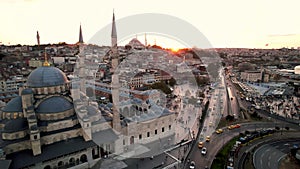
x=219, y=140
x=268, y=156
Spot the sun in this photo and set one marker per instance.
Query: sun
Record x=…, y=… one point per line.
x=174, y=49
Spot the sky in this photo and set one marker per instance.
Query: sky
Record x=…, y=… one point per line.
x=230, y=23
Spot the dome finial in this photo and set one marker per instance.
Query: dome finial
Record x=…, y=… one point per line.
x=46, y=63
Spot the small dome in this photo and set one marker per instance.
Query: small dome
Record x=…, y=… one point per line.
x=27, y=91
x=92, y=110
x=16, y=125
x=54, y=104
x=46, y=76
x=14, y=105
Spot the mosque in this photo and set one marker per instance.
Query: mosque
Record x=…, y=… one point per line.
x=53, y=124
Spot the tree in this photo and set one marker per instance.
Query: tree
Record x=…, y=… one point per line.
x=161, y=86
x=172, y=82
x=229, y=118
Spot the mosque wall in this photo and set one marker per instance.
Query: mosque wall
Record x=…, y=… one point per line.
x=15, y=147
x=59, y=125
x=14, y=135
x=49, y=139
x=55, y=116
x=151, y=130
x=78, y=160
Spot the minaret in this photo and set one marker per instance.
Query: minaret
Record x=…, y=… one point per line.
x=46, y=63
x=113, y=32
x=38, y=38
x=80, y=35
x=115, y=85
x=114, y=45
x=146, y=41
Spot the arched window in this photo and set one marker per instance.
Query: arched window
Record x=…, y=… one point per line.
x=60, y=163
x=72, y=162
x=47, y=167
x=132, y=140
x=83, y=158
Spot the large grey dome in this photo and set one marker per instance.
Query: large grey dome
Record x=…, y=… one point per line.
x=54, y=104
x=46, y=76
x=14, y=105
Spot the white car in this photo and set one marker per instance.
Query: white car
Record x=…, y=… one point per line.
x=203, y=151
x=192, y=165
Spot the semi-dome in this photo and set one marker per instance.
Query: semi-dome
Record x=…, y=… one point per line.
x=16, y=125
x=14, y=105
x=54, y=104
x=46, y=76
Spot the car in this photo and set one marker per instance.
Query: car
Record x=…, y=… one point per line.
x=192, y=165
x=203, y=151
x=237, y=126
x=234, y=126
x=204, y=129
x=231, y=127
x=200, y=144
x=219, y=131
x=207, y=138
x=210, y=124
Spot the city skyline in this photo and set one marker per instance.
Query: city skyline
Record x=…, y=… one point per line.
x=232, y=23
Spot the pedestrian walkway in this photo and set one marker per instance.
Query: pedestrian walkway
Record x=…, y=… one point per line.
x=187, y=122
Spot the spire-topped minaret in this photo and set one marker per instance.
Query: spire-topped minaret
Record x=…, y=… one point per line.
x=113, y=32
x=80, y=35
x=114, y=45
x=115, y=84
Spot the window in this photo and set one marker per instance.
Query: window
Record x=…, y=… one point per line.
x=163, y=129
x=155, y=131
x=15, y=115
x=170, y=127
x=140, y=136
x=35, y=137
x=148, y=134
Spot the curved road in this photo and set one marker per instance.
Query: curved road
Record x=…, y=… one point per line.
x=219, y=140
x=269, y=155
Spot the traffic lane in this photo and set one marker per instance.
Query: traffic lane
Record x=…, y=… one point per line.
x=219, y=140
x=269, y=155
